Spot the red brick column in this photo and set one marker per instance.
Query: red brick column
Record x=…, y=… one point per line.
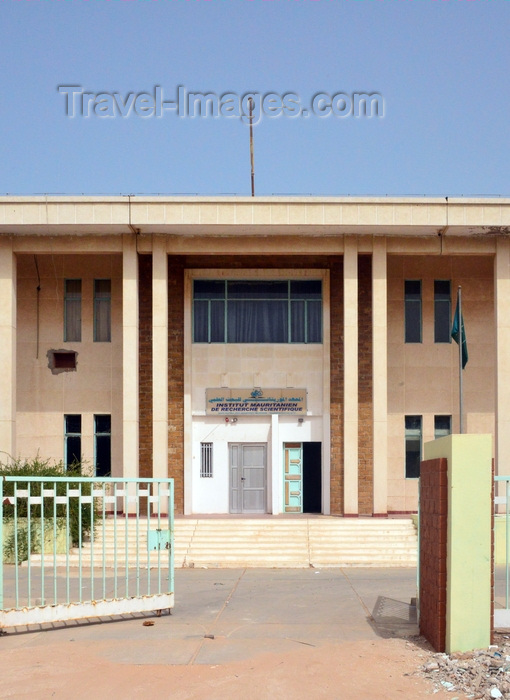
x=145, y=364
x=337, y=387
x=176, y=378
x=433, y=539
x=365, y=388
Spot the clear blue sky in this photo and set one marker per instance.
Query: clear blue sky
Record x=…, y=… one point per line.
x=441, y=66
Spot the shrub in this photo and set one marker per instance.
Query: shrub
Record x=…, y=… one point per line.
x=42, y=468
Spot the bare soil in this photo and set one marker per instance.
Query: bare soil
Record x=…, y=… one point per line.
x=381, y=669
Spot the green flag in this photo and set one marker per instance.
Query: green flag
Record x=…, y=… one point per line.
x=456, y=335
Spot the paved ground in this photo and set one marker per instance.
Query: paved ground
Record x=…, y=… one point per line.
x=251, y=633
x=249, y=610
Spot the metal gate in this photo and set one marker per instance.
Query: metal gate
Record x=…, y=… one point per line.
x=77, y=547
x=502, y=552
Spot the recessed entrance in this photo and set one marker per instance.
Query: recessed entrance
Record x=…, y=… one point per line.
x=302, y=479
x=248, y=478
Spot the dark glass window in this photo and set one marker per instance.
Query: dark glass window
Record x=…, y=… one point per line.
x=412, y=311
x=72, y=311
x=103, y=445
x=413, y=436
x=72, y=440
x=102, y=311
x=442, y=311
x=442, y=426
x=257, y=311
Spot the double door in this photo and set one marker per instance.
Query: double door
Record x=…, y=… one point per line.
x=248, y=478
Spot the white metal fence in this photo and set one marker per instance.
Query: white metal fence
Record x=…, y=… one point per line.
x=76, y=547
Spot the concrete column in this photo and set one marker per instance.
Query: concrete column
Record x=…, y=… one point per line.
x=468, y=566
x=502, y=316
x=7, y=351
x=159, y=359
x=276, y=471
x=350, y=376
x=130, y=357
x=380, y=375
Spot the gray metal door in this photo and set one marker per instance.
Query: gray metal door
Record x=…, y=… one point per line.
x=248, y=478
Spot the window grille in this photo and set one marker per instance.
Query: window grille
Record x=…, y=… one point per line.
x=206, y=467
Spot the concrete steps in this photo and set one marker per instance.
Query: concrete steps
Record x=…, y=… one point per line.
x=278, y=542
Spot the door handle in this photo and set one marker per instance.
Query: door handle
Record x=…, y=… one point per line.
x=243, y=478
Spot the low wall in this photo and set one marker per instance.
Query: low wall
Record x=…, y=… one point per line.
x=57, y=545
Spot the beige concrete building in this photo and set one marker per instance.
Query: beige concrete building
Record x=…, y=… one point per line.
x=272, y=355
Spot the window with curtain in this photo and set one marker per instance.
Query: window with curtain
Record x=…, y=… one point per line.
x=442, y=311
x=257, y=311
x=102, y=311
x=72, y=311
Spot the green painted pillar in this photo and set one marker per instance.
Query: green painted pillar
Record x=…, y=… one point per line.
x=469, y=529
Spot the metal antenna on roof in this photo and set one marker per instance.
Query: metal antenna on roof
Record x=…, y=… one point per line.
x=250, y=107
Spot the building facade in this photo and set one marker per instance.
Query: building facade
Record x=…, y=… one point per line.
x=272, y=355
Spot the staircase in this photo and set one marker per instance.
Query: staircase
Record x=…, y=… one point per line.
x=293, y=542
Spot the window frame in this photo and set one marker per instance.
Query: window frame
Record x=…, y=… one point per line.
x=444, y=331
x=441, y=432
x=100, y=297
x=70, y=299
x=410, y=435
x=70, y=434
x=409, y=303
x=102, y=434
x=290, y=299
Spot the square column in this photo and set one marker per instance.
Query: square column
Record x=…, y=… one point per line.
x=7, y=351
x=380, y=374
x=159, y=359
x=350, y=376
x=130, y=372
x=502, y=317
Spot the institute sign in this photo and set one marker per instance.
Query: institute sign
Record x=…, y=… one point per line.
x=256, y=400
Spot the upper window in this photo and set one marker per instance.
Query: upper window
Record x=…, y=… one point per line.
x=262, y=311
x=102, y=311
x=72, y=311
x=442, y=311
x=412, y=295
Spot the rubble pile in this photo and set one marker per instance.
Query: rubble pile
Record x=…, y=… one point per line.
x=483, y=673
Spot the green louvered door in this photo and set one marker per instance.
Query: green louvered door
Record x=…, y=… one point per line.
x=293, y=477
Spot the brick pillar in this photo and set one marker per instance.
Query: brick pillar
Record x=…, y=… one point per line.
x=145, y=363
x=176, y=378
x=365, y=387
x=433, y=538
x=337, y=388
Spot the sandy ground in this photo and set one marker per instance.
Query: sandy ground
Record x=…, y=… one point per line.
x=244, y=634
x=381, y=669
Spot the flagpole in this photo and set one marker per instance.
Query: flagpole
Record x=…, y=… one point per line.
x=461, y=340
x=251, y=103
